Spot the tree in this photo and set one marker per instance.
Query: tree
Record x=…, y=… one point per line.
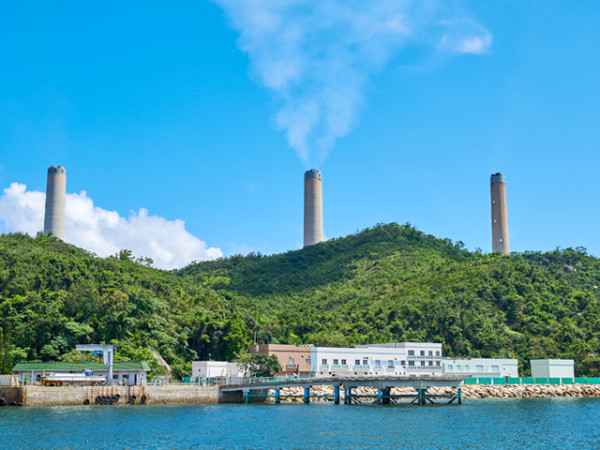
x=259, y=365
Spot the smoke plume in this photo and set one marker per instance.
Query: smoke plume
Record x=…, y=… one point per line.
x=316, y=55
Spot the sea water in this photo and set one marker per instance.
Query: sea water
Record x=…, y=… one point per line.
x=510, y=423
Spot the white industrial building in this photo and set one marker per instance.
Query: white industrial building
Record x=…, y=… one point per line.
x=399, y=358
x=215, y=369
x=124, y=372
x=552, y=368
x=481, y=367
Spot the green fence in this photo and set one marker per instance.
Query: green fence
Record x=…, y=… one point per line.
x=498, y=381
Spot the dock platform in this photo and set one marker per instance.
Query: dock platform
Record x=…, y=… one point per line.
x=257, y=390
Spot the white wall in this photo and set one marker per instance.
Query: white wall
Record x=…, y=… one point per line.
x=381, y=359
x=552, y=368
x=214, y=369
x=118, y=375
x=481, y=367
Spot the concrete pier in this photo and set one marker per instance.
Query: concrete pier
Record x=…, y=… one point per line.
x=258, y=390
x=109, y=395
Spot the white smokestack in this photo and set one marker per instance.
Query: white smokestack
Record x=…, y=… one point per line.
x=313, y=207
x=54, y=218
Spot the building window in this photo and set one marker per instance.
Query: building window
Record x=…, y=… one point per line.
x=430, y=353
x=437, y=363
x=402, y=363
x=431, y=363
x=422, y=352
x=126, y=377
x=336, y=361
x=478, y=368
x=324, y=361
x=377, y=362
x=411, y=353
x=437, y=353
x=343, y=362
x=115, y=377
x=467, y=368
x=422, y=363
x=307, y=360
x=411, y=363
x=495, y=369
x=290, y=361
x=365, y=362
x=450, y=367
x=357, y=362
x=458, y=367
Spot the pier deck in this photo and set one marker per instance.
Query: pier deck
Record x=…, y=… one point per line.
x=257, y=390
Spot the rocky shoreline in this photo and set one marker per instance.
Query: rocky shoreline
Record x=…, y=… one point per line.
x=295, y=394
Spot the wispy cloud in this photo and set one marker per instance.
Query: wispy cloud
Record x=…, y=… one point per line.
x=104, y=232
x=317, y=55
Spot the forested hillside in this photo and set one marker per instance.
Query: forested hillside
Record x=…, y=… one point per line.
x=387, y=283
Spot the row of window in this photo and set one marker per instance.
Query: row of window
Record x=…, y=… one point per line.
x=422, y=353
x=377, y=362
x=478, y=368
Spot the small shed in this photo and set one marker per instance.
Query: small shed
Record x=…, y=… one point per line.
x=215, y=369
x=552, y=368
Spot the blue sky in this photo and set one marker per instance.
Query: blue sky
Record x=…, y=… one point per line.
x=175, y=108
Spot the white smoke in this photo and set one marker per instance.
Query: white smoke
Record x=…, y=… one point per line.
x=316, y=55
x=105, y=232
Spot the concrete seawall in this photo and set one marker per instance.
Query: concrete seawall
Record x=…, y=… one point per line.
x=82, y=395
x=191, y=394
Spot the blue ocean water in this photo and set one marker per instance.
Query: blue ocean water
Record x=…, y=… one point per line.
x=509, y=423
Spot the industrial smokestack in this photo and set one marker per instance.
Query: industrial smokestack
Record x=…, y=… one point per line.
x=499, y=214
x=313, y=207
x=54, y=218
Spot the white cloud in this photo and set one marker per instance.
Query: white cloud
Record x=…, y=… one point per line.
x=105, y=232
x=317, y=55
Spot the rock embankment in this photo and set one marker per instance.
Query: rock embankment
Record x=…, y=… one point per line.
x=531, y=391
x=295, y=394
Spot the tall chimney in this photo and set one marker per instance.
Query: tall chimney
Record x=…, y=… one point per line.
x=313, y=207
x=499, y=214
x=54, y=218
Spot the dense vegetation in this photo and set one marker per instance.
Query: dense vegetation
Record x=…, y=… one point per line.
x=388, y=283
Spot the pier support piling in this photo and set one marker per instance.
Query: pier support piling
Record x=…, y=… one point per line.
x=336, y=395
x=347, y=395
x=307, y=394
x=421, y=396
x=277, y=398
x=385, y=396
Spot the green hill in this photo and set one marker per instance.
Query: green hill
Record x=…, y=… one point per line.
x=387, y=283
